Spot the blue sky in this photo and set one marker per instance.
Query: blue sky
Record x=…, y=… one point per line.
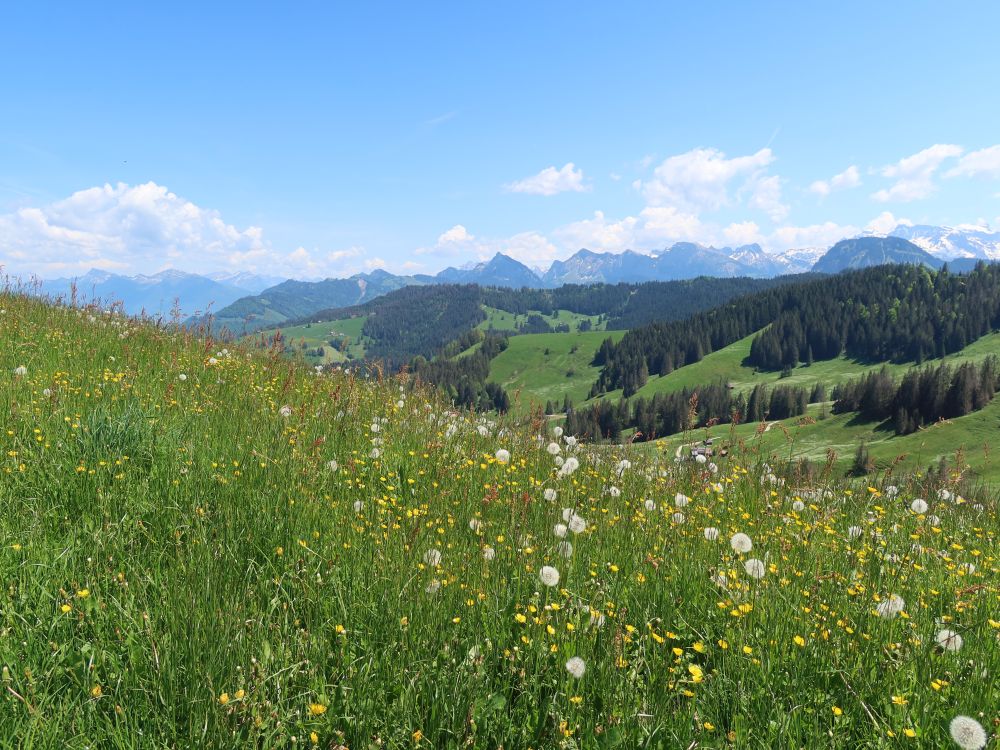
x=323, y=139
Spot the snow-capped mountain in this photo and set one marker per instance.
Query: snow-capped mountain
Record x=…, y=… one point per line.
x=251, y=282
x=948, y=243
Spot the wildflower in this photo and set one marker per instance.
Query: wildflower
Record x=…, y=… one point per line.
x=20, y=370
x=577, y=524
x=677, y=518
x=967, y=733
x=317, y=709
x=891, y=606
x=549, y=576
x=837, y=711
x=798, y=506
x=571, y=465
x=649, y=505
x=559, y=530
x=182, y=377
x=576, y=667
x=489, y=553
x=83, y=593
x=711, y=533
x=697, y=673
x=553, y=449
x=949, y=640
x=433, y=586
x=432, y=556
x=919, y=506
x=475, y=524
x=503, y=456
x=741, y=543
x=565, y=549
x=854, y=532
x=799, y=641
x=754, y=568
x=96, y=691
x=899, y=700
x=285, y=411
x=358, y=506
x=681, y=500
x=332, y=464
x=550, y=494
x=224, y=698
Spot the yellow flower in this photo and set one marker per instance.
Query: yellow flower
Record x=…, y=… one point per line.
x=224, y=698
x=417, y=736
x=899, y=700
x=340, y=629
x=317, y=709
x=709, y=726
x=576, y=700
x=799, y=641
x=520, y=618
x=83, y=593
x=314, y=738
x=96, y=691
x=240, y=693
x=747, y=650
x=697, y=675
x=66, y=609
x=699, y=647
x=838, y=711
x=909, y=733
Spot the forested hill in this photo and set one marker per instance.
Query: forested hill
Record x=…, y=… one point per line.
x=888, y=313
x=420, y=320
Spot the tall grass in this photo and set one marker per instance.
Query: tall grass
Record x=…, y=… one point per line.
x=184, y=567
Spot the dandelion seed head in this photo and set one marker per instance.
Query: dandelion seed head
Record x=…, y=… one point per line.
x=576, y=667
x=741, y=543
x=968, y=733
x=549, y=576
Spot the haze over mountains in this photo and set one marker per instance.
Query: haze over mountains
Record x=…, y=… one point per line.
x=243, y=301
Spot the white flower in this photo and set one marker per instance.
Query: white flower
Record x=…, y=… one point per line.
x=553, y=449
x=854, y=532
x=677, y=517
x=47, y=392
x=570, y=441
x=700, y=458
x=432, y=556
x=559, y=461
x=949, y=640
x=754, y=568
x=711, y=533
x=944, y=494
x=550, y=494
x=489, y=553
x=623, y=465
x=376, y=427
x=332, y=464
x=503, y=456
x=614, y=492
x=571, y=464
x=681, y=500
x=576, y=667
x=212, y=361
x=564, y=549
x=433, y=586
x=741, y=543
x=549, y=575
x=577, y=524
x=596, y=619
x=798, y=506
x=557, y=431
x=649, y=505
x=358, y=506
x=182, y=377
x=20, y=370
x=567, y=513
x=890, y=607
x=559, y=530
x=968, y=733
x=375, y=453
x=919, y=506
x=934, y=520
x=475, y=524
x=285, y=411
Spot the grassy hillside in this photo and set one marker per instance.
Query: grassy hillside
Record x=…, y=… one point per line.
x=304, y=339
x=539, y=367
x=218, y=549
x=501, y=320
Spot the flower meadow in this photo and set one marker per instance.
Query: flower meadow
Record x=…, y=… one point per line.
x=206, y=546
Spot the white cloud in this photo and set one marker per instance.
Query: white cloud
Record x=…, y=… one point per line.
x=743, y=233
x=699, y=180
x=985, y=162
x=660, y=224
x=849, y=178
x=885, y=222
x=598, y=234
x=765, y=195
x=456, y=235
x=551, y=181
x=914, y=175
x=814, y=235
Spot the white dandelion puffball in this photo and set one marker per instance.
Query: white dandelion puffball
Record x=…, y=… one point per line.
x=614, y=491
x=20, y=370
x=376, y=427
x=549, y=576
x=944, y=494
x=754, y=568
x=681, y=500
x=569, y=466
x=890, y=607
x=934, y=520
x=968, y=733
x=564, y=549
x=649, y=505
x=677, y=517
x=285, y=411
x=47, y=392
x=700, y=458
x=375, y=453
x=919, y=506
x=553, y=449
x=475, y=524
x=489, y=553
x=550, y=495
x=741, y=543
x=576, y=667
x=567, y=513
x=949, y=640
x=798, y=506
x=332, y=464
x=559, y=461
x=557, y=431
x=182, y=377
x=711, y=533
x=358, y=506
x=432, y=556
x=854, y=532
x=503, y=456
x=713, y=467
x=596, y=619
x=433, y=586
x=570, y=441
x=577, y=524
x=559, y=530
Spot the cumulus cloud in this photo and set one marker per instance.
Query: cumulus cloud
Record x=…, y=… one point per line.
x=598, y=233
x=551, y=181
x=813, y=235
x=743, y=233
x=914, y=175
x=984, y=163
x=849, y=178
x=142, y=228
x=885, y=222
x=765, y=195
x=458, y=242
x=699, y=180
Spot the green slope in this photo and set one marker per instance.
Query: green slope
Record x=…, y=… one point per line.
x=306, y=338
x=501, y=320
